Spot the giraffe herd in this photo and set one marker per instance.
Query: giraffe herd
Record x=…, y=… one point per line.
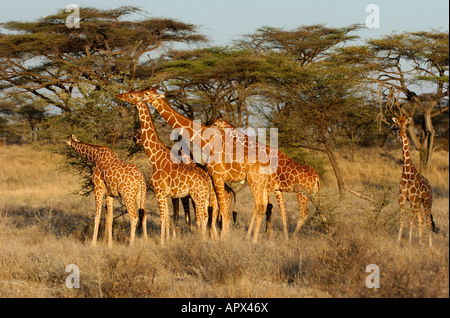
x=177, y=177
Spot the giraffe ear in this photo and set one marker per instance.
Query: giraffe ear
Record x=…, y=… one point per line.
x=395, y=120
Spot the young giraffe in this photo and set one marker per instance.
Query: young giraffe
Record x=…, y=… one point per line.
x=290, y=177
x=114, y=178
x=413, y=188
x=260, y=175
x=172, y=178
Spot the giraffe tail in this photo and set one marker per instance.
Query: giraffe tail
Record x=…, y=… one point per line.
x=433, y=226
x=228, y=189
x=141, y=207
x=141, y=213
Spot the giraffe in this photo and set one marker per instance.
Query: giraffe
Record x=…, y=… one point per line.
x=175, y=201
x=231, y=195
x=413, y=188
x=260, y=175
x=290, y=177
x=114, y=178
x=172, y=178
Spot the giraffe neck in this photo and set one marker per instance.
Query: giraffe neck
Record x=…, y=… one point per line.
x=176, y=120
x=90, y=152
x=153, y=146
x=407, y=164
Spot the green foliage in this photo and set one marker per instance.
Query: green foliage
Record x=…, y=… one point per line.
x=304, y=156
x=214, y=80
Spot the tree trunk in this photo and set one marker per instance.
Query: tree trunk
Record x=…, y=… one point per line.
x=424, y=145
x=425, y=160
x=337, y=171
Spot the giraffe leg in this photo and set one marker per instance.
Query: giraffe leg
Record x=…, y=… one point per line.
x=269, y=228
x=257, y=224
x=222, y=198
x=302, y=203
x=215, y=211
x=261, y=201
x=99, y=191
x=131, y=208
x=259, y=213
x=141, y=209
x=279, y=196
x=251, y=224
x=163, y=212
x=143, y=220
x=176, y=209
x=402, y=202
x=402, y=223
x=411, y=221
x=420, y=219
x=187, y=210
x=427, y=203
x=200, y=196
x=202, y=214
x=109, y=218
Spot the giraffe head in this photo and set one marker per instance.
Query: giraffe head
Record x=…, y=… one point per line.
x=150, y=95
x=402, y=121
x=71, y=139
x=220, y=123
x=130, y=97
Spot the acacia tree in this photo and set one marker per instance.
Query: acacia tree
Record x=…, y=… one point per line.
x=311, y=106
x=76, y=70
x=409, y=72
x=207, y=82
x=306, y=91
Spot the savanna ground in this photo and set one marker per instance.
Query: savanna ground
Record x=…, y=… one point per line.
x=44, y=227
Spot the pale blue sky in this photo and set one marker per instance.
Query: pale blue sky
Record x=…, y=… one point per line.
x=223, y=21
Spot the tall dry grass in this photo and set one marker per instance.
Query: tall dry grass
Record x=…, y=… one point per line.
x=44, y=227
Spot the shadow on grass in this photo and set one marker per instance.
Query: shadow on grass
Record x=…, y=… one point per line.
x=63, y=223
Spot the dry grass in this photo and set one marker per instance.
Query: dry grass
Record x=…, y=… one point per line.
x=44, y=227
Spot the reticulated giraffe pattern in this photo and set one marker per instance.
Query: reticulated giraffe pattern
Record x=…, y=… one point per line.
x=114, y=177
x=175, y=201
x=260, y=175
x=231, y=198
x=171, y=177
x=290, y=176
x=414, y=188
